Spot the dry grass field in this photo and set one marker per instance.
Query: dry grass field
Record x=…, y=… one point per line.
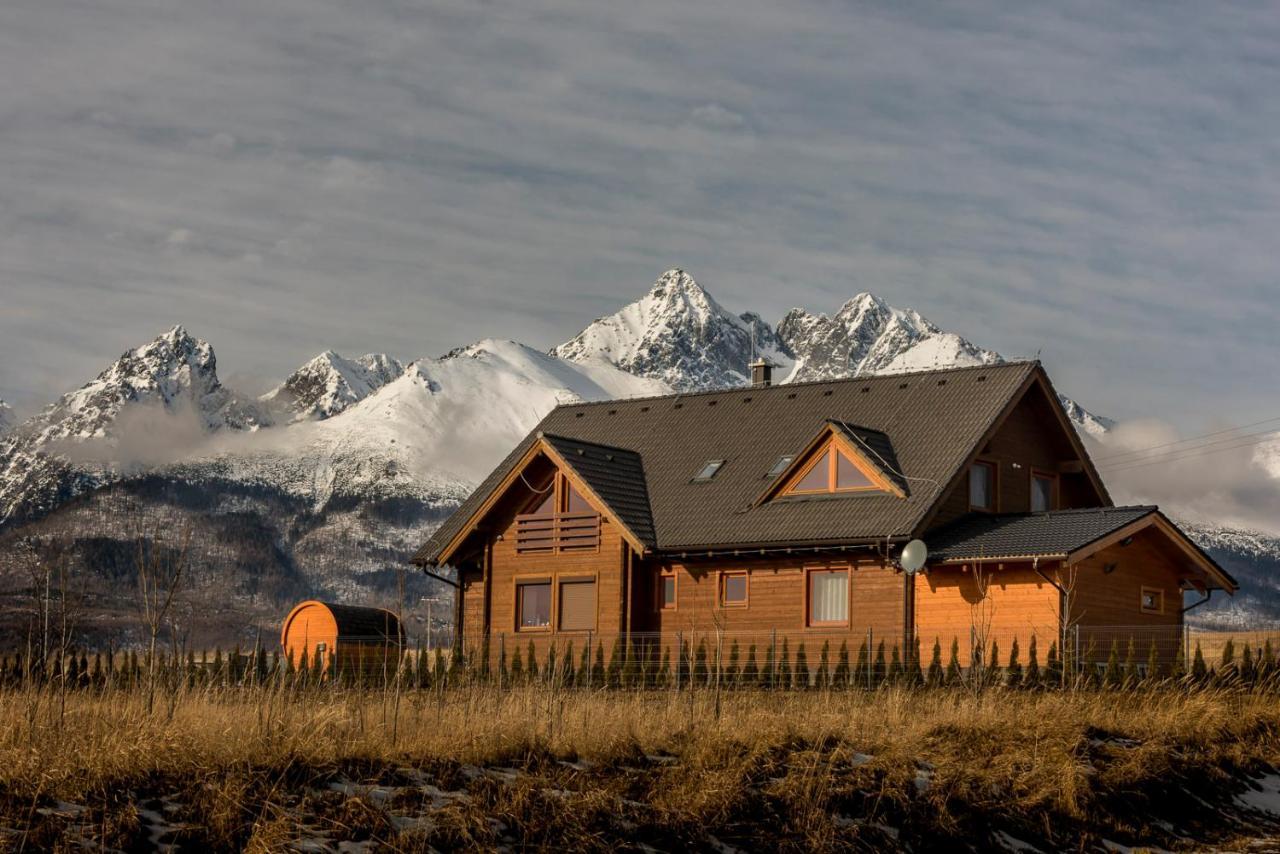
x=531, y=768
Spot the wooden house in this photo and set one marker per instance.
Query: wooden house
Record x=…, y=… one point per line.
x=345, y=638
x=780, y=511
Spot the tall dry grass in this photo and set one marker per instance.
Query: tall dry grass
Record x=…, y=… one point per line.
x=810, y=769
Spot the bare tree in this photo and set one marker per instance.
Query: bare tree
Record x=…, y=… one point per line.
x=160, y=571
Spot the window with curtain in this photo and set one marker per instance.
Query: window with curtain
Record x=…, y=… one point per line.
x=533, y=604
x=982, y=481
x=578, y=605
x=1042, y=489
x=828, y=597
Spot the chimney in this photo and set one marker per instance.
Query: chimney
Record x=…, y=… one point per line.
x=761, y=374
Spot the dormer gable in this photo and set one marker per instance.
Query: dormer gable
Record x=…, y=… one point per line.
x=842, y=459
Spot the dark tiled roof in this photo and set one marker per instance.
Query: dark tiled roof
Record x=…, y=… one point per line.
x=984, y=535
x=617, y=476
x=935, y=419
x=878, y=450
x=359, y=623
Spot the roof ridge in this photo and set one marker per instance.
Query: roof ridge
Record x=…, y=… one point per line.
x=546, y=435
x=919, y=372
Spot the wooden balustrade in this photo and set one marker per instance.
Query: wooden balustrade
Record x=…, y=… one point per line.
x=563, y=532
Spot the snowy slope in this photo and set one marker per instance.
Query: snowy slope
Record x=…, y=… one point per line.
x=328, y=384
x=431, y=433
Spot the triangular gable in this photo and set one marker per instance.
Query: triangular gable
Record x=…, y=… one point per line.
x=573, y=462
x=837, y=461
x=1036, y=379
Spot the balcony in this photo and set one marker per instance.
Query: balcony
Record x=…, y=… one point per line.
x=558, y=534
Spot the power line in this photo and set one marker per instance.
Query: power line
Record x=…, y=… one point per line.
x=1192, y=439
x=1186, y=454
x=1240, y=440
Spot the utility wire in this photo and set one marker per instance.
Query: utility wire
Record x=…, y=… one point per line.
x=1241, y=440
x=1192, y=439
x=1187, y=454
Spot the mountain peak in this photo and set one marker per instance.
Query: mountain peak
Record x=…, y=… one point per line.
x=678, y=334
x=329, y=383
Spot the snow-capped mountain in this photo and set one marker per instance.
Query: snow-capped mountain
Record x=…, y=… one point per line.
x=6, y=417
x=679, y=335
x=328, y=384
x=868, y=336
x=165, y=393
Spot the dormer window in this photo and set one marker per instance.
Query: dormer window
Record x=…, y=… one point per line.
x=708, y=471
x=842, y=459
x=832, y=471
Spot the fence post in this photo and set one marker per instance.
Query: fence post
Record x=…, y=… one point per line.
x=870, y=656
x=773, y=649
x=1077, y=664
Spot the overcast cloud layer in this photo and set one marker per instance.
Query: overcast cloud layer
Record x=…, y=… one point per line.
x=1097, y=183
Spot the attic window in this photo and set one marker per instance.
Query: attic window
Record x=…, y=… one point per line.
x=780, y=466
x=708, y=471
x=832, y=470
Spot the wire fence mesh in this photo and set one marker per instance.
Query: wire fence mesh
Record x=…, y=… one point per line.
x=775, y=660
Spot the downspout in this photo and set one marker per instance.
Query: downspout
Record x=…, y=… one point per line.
x=487, y=581
x=1062, y=606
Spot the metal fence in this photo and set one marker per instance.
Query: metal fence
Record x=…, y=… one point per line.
x=777, y=660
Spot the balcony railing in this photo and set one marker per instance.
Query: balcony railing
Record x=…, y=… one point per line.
x=564, y=532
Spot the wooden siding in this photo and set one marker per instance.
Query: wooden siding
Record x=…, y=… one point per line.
x=775, y=600
x=509, y=567
x=1107, y=605
x=1019, y=604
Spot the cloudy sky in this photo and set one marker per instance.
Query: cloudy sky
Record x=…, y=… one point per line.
x=1094, y=182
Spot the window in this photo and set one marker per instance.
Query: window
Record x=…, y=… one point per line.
x=832, y=471
x=533, y=605
x=733, y=589
x=578, y=605
x=828, y=593
x=982, y=482
x=1152, y=600
x=1043, y=489
x=780, y=466
x=666, y=596
x=818, y=477
x=709, y=470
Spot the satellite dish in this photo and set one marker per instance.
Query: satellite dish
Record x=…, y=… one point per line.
x=914, y=554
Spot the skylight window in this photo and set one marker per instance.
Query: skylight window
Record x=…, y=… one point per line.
x=780, y=466
x=709, y=470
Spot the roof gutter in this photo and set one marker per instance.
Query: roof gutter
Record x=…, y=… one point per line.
x=759, y=551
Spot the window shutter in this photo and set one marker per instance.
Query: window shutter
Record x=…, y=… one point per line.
x=577, y=606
